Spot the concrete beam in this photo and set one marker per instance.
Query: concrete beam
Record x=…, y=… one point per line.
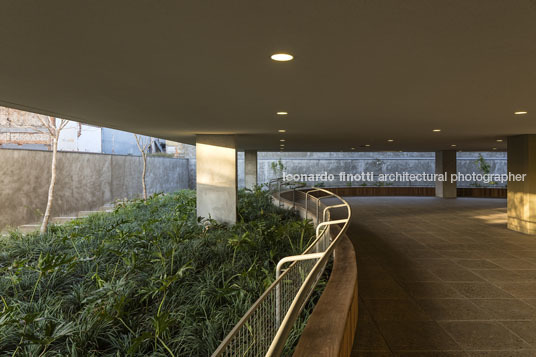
x=216, y=165
x=445, y=161
x=250, y=168
x=521, y=199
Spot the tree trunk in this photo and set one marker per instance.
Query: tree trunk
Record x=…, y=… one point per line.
x=48, y=210
x=144, y=157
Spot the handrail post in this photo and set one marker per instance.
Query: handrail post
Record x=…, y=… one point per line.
x=306, y=208
x=290, y=259
x=303, y=277
x=279, y=194
x=317, y=209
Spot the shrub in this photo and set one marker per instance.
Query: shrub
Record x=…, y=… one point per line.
x=149, y=278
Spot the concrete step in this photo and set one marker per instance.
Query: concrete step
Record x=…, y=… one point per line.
x=28, y=228
x=61, y=220
x=82, y=214
x=108, y=206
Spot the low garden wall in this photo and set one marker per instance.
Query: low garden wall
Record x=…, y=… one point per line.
x=85, y=181
x=417, y=191
x=331, y=328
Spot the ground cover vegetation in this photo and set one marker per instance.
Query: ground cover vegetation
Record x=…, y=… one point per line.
x=149, y=279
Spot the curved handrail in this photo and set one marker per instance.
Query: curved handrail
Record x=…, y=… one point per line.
x=265, y=327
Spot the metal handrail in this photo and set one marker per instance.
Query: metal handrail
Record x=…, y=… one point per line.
x=305, y=270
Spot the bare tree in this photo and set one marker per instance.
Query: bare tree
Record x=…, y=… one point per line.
x=143, y=146
x=54, y=127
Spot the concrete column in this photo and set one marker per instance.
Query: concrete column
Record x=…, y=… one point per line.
x=445, y=161
x=216, y=177
x=522, y=194
x=250, y=168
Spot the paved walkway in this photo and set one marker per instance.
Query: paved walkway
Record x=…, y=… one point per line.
x=442, y=278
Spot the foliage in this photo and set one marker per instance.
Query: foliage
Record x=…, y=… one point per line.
x=278, y=168
x=485, y=167
x=149, y=278
x=483, y=164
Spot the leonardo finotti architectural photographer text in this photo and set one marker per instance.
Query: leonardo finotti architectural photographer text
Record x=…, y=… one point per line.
x=404, y=177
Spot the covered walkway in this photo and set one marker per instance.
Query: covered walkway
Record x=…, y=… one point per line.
x=442, y=278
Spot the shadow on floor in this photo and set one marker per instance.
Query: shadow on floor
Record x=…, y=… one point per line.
x=442, y=278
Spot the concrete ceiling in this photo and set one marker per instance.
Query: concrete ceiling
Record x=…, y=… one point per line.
x=364, y=71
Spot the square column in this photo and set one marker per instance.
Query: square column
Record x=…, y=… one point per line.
x=521, y=199
x=445, y=161
x=216, y=165
x=250, y=168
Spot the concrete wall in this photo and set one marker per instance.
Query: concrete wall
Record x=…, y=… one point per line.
x=377, y=162
x=356, y=162
x=85, y=181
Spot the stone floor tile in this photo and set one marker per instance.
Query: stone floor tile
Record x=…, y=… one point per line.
x=455, y=274
x=395, y=310
x=514, y=263
x=476, y=264
x=452, y=309
x=485, y=335
x=506, y=353
x=480, y=290
x=524, y=329
x=527, y=275
x=357, y=353
x=414, y=275
x=369, y=338
x=381, y=289
x=506, y=309
x=494, y=275
x=519, y=289
x=416, y=336
x=431, y=354
x=421, y=290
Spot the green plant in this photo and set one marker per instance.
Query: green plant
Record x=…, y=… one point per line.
x=485, y=167
x=277, y=168
x=149, y=278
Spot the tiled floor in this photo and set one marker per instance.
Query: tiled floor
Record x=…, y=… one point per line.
x=442, y=278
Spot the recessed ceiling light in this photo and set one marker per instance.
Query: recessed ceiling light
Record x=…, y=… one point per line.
x=520, y=113
x=367, y=145
x=494, y=148
x=453, y=145
x=282, y=113
x=282, y=140
x=390, y=140
x=499, y=140
x=282, y=57
x=282, y=131
x=353, y=148
x=436, y=130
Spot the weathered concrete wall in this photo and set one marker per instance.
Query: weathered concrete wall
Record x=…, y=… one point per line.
x=85, y=182
x=377, y=162
x=356, y=162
